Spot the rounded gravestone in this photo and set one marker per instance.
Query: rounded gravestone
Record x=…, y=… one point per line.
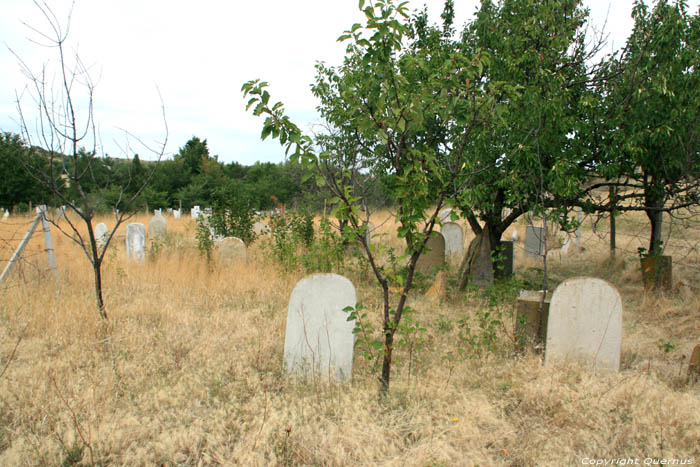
x=135, y=241
x=319, y=339
x=157, y=227
x=101, y=234
x=433, y=255
x=585, y=323
x=454, y=238
x=232, y=249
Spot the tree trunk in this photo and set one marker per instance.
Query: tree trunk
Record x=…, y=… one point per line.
x=97, y=270
x=386, y=363
x=656, y=220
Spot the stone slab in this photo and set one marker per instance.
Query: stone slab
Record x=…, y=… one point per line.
x=435, y=257
x=232, y=249
x=534, y=240
x=157, y=227
x=585, y=323
x=136, y=241
x=319, y=340
x=454, y=239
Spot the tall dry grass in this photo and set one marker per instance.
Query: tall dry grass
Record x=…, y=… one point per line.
x=188, y=371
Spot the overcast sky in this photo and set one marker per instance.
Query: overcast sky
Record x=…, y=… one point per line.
x=198, y=54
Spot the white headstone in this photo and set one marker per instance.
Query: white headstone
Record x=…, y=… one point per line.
x=135, y=241
x=157, y=212
x=318, y=339
x=445, y=215
x=260, y=229
x=6, y=215
x=101, y=234
x=157, y=227
x=177, y=213
x=585, y=323
x=454, y=238
x=232, y=249
x=195, y=211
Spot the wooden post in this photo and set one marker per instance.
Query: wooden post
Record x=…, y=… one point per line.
x=612, y=224
x=21, y=246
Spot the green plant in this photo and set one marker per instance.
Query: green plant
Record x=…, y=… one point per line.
x=233, y=213
x=205, y=242
x=666, y=346
x=372, y=347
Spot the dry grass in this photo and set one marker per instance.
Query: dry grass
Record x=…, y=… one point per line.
x=188, y=372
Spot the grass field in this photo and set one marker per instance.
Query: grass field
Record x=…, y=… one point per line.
x=188, y=369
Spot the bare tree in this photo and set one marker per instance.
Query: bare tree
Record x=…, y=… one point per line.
x=65, y=126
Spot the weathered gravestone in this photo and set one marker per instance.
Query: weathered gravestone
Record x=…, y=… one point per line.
x=319, y=339
x=232, y=249
x=101, y=234
x=177, y=213
x=157, y=212
x=503, y=263
x=157, y=227
x=435, y=257
x=6, y=215
x=531, y=318
x=135, y=241
x=195, y=212
x=585, y=323
x=260, y=229
x=454, y=239
x=534, y=240
x=479, y=265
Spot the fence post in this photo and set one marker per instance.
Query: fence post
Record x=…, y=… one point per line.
x=48, y=242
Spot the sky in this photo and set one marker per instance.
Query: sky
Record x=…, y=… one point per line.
x=189, y=60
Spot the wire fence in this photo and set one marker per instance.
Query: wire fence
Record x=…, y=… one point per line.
x=31, y=265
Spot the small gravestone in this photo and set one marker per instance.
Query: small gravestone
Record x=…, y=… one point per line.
x=454, y=239
x=585, y=323
x=479, y=262
x=694, y=365
x=157, y=227
x=445, y=215
x=135, y=241
x=260, y=229
x=531, y=321
x=319, y=339
x=232, y=249
x=503, y=263
x=177, y=213
x=6, y=215
x=433, y=255
x=195, y=211
x=157, y=212
x=534, y=240
x=101, y=234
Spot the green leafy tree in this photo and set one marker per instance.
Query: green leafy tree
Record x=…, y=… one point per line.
x=17, y=186
x=645, y=131
x=523, y=160
x=397, y=95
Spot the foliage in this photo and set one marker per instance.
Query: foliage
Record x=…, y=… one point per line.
x=233, y=213
x=17, y=185
x=645, y=131
x=397, y=94
x=205, y=241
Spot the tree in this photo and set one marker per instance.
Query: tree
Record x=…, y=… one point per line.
x=526, y=157
x=17, y=186
x=645, y=133
x=63, y=131
x=396, y=96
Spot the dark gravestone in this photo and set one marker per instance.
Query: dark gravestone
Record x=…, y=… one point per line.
x=504, y=262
